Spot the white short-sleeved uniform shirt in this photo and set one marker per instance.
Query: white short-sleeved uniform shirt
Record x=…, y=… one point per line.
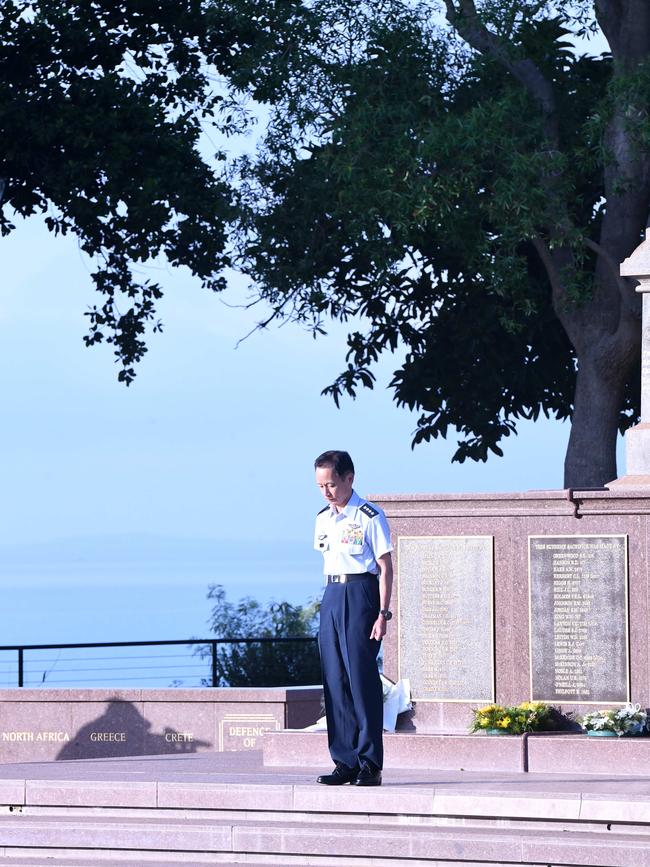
x=353, y=539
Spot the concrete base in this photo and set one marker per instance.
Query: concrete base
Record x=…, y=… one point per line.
x=639, y=483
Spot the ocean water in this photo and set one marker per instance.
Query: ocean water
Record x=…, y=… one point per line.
x=107, y=602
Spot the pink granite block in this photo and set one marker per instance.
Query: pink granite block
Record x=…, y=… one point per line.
x=183, y=695
x=224, y=796
x=353, y=799
x=438, y=717
x=118, y=834
x=511, y=610
x=105, y=729
x=178, y=727
x=404, y=750
x=582, y=754
x=262, y=695
x=612, y=809
x=498, y=804
x=451, y=506
x=376, y=841
x=86, y=793
x=12, y=792
x=296, y=749
x=608, y=850
x=453, y=752
x=61, y=696
x=34, y=731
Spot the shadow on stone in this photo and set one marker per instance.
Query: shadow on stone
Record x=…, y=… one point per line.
x=123, y=731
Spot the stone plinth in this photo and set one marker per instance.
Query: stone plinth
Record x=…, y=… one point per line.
x=61, y=724
x=511, y=520
x=637, y=452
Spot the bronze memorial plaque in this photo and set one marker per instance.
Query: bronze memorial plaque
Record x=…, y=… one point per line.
x=578, y=619
x=445, y=636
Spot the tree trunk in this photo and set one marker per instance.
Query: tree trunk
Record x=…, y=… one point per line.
x=590, y=460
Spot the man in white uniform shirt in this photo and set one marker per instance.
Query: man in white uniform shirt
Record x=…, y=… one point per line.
x=354, y=539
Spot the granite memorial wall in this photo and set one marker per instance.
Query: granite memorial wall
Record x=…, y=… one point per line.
x=515, y=597
x=63, y=724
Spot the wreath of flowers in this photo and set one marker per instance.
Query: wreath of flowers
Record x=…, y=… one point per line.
x=529, y=716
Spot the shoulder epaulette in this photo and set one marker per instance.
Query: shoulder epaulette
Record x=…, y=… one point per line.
x=369, y=510
x=323, y=510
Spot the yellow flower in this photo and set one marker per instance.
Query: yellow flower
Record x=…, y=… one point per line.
x=504, y=723
x=484, y=723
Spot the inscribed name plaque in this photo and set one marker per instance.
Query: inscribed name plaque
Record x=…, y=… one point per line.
x=579, y=618
x=445, y=640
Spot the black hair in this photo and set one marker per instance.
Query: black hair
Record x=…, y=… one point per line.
x=341, y=462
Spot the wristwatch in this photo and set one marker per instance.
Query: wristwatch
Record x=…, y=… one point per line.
x=386, y=614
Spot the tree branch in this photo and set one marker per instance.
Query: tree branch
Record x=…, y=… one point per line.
x=467, y=22
x=614, y=268
x=548, y=263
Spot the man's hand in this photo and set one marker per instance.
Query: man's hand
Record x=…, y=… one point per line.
x=378, y=628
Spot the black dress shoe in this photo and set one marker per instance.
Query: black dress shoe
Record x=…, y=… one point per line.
x=369, y=775
x=341, y=775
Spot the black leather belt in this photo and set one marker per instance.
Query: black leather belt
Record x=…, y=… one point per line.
x=343, y=579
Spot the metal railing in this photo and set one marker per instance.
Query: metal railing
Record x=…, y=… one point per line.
x=211, y=678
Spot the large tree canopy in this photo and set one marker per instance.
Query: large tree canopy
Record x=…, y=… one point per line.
x=465, y=191
x=102, y=107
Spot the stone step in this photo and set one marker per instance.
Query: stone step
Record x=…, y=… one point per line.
x=81, y=858
x=100, y=839
x=444, y=800
x=222, y=810
x=546, y=752
x=121, y=859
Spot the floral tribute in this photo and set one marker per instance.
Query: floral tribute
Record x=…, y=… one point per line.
x=626, y=720
x=529, y=716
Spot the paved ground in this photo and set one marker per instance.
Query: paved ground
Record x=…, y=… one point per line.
x=247, y=767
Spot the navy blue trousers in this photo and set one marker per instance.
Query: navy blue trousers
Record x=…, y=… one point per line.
x=353, y=694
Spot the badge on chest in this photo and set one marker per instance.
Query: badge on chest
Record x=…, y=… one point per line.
x=352, y=536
